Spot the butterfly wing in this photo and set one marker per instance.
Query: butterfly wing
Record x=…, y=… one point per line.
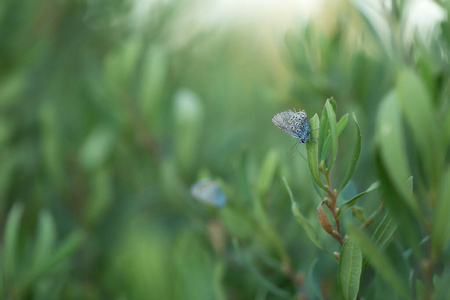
x=283, y=121
x=208, y=191
x=295, y=124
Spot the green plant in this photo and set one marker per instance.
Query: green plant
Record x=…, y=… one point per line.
x=34, y=272
x=401, y=250
x=324, y=140
x=422, y=225
x=112, y=110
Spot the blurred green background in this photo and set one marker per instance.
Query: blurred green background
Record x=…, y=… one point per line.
x=110, y=111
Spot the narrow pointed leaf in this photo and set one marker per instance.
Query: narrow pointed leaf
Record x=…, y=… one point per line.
x=327, y=144
x=350, y=267
x=406, y=219
x=390, y=141
x=355, y=156
x=11, y=239
x=333, y=104
x=379, y=262
x=384, y=231
x=334, y=137
x=324, y=133
x=46, y=235
x=410, y=183
x=302, y=220
x=64, y=251
x=348, y=204
x=342, y=124
x=67, y=247
x=312, y=151
x=267, y=172
x=417, y=107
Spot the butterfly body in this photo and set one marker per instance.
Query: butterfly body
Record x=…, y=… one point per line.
x=295, y=124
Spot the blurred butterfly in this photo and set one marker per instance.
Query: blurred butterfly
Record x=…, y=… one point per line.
x=294, y=123
x=208, y=191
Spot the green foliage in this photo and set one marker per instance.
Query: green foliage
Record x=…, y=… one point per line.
x=350, y=266
x=312, y=149
x=110, y=112
x=302, y=220
x=356, y=153
x=350, y=203
x=331, y=113
x=24, y=271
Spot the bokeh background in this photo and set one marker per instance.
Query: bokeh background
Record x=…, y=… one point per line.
x=110, y=111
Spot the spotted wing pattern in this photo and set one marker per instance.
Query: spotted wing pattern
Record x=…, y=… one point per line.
x=293, y=123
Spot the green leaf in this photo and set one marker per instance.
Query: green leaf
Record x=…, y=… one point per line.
x=376, y=27
x=384, y=231
x=417, y=107
x=267, y=230
x=11, y=240
x=441, y=220
x=312, y=151
x=390, y=142
x=46, y=235
x=348, y=204
x=324, y=133
x=334, y=137
x=97, y=147
x=342, y=124
x=355, y=156
x=267, y=172
x=333, y=104
x=327, y=144
x=420, y=289
x=302, y=220
x=379, y=261
x=63, y=251
x=350, y=267
x=410, y=183
x=407, y=222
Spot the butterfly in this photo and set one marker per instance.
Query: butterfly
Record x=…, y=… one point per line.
x=294, y=123
x=208, y=191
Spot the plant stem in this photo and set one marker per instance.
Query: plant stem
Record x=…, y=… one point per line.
x=333, y=195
